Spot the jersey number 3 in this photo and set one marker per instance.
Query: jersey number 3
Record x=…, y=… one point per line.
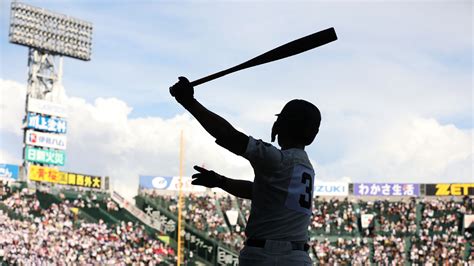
x=305, y=199
x=300, y=190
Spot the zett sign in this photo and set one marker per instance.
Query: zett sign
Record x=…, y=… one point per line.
x=460, y=189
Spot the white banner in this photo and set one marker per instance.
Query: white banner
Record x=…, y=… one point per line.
x=46, y=107
x=468, y=221
x=45, y=140
x=232, y=216
x=331, y=189
x=366, y=219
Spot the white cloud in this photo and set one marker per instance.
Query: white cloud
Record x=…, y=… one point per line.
x=104, y=140
x=12, y=106
x=6, y=157
x=411, y=149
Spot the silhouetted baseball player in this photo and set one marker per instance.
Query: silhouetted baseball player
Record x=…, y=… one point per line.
x=281, y=193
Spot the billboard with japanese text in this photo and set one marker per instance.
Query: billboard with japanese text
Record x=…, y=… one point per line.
x=46, y=140
x=82, y=180
x=386, y=189
x=194, y=241
x=46, y=107
x=45, y=156
x=227, y=257
x=455, y=189
x=52, y=175
x=46, y=174
x=168, y=183
x=50, y=124
x=9, y=171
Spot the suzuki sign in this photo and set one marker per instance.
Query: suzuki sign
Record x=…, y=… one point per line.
x=331, y=189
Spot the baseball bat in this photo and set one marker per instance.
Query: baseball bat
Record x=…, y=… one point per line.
x=292, y=48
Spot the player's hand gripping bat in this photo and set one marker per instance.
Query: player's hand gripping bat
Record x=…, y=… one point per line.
x=295, y=47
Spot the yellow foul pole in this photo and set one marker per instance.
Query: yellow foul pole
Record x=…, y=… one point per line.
x=180, y=200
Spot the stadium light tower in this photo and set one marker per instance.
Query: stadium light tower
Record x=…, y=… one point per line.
x=49, y=36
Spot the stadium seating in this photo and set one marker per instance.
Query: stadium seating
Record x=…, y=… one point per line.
x=44, y=229
x=416, y=231
x=395, y=235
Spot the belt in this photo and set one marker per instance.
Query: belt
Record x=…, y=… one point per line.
x=260, y=243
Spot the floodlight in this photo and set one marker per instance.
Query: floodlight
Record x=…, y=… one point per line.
x=52, y=32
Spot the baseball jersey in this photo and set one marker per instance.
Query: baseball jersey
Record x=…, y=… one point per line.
x=282, y=192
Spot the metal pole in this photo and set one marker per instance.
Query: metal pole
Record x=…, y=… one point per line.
x=180, y=201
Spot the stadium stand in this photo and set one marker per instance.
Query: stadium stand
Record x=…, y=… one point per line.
x=42, y=228
x=87, y=227
x=400, y=232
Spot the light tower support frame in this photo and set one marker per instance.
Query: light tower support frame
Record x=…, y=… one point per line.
x=44, y=83
x=49, y=36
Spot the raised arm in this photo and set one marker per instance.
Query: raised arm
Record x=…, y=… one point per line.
x=224, y=133
x=211, y=179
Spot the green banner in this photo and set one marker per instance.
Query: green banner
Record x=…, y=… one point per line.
x=45, y=156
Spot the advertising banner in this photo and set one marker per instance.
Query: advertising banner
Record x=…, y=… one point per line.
x=46, y=174
x=81, y=180
x=386, y=189
x=456, y=189
x=46, y=140
x=46, y=107
x=170, y=183
x=9, y=171
x=330, y=189
x=50, y=124
x=52, y=175
x=226, y=257
x=164, y=223
x=160, y=221
x=46, y=156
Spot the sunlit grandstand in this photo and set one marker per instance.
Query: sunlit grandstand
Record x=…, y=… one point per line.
x=48, y=224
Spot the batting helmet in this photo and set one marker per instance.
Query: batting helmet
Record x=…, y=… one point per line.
x=300, y=119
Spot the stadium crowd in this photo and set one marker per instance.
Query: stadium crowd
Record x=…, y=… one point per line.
x=343, y=251
x=202, y=212
x=440, y=235
x=334, y=217
x=236, y=236
x=397, y=218
x=420, y=231
x=55, y=235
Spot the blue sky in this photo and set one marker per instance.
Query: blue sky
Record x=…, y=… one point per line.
x=395, y=90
